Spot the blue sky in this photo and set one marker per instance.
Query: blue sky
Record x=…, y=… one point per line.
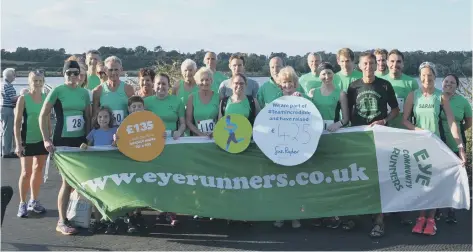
x=253, y=26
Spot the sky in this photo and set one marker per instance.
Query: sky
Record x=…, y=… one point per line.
x=252, y=26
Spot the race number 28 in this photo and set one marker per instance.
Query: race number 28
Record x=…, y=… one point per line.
x=139, y=127
x=74, y=123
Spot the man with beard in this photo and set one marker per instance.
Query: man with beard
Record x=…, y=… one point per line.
x=381, y=57
x=402, y=84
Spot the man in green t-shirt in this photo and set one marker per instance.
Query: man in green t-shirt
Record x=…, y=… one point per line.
x=92, y=58
x=381, y=58
x=311, y=80
x=401, y=83
x=210, y=61
x=270, y=90
x=347, y=73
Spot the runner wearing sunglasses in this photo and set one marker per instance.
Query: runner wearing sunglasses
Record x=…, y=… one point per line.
x=71, y=104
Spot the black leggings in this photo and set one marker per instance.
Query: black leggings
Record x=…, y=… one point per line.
x=7, y=194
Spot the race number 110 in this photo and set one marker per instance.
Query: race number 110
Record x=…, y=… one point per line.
x=139, y=127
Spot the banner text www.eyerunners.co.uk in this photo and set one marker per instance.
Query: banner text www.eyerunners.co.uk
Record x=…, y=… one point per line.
x=351, y=174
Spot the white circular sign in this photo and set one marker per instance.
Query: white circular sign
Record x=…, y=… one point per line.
x=288, y=130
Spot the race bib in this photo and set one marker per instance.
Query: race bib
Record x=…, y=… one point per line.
x=75, y=123
x=119, y=115
x=400, y=102
x=206, y=126
x=327, y=123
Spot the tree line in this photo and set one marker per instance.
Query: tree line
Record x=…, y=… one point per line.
x=51, y=60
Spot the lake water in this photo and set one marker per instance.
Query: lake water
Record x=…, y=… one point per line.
x=22, y=82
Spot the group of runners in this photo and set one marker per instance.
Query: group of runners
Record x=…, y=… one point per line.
x=93, y=101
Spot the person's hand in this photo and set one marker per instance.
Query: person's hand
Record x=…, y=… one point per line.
x=165, y=135
x=176, y=135
x=19, y=150
x=416, y=128
x=334, y=127
x=462, y=155
x=49, y=146
x=83, y=146
x=115, y=137
x=210, y=135
x=311, y=93
x=378, y=122
x=296, y=94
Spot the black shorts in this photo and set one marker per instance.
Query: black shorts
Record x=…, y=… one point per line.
x=69, y=141
x=34, y=149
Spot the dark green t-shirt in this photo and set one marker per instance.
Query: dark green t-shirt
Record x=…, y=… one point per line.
x=368, y=102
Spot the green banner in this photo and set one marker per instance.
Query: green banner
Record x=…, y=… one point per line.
x=200, y=178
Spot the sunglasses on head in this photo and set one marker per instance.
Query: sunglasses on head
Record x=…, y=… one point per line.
x=70, y=73
x=39, y=72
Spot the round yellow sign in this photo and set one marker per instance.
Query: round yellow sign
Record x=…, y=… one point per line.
x=140, y=136
x=232, y=133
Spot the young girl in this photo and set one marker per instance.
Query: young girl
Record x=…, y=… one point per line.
x=103, y=129
x=101, y=135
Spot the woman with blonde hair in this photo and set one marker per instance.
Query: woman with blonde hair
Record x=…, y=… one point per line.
x=29, y=144
x=288, y=81
x=426, y=105
x=202, y=106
